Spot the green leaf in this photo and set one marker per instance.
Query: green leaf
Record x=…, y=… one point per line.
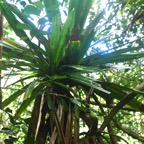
x=39, y=5
x=85, y=43
x=120, y=55
x=82, y=8
x=23, y=107
x=29, y=100
x=83, y=69
x=10, y=46
x=67, y=29
x=35, y=30
x=23, y=26
x=52, y=8
x=76, y=110
x=30, y=88
x=58, y=77
x=30, y=9
x=117, y=86
x=64, y=104
x=13, y=44
x=93, y=23
x=87, y=81
x=118, y=92
x=55, y=36
x=14, y=96
x=62, y=85
x=73, y=52
x=50, y=102
x=88, y=34
x=73, y=100
x=7, y=131
x=12, y=20
x=21, y=80
x=42, y=20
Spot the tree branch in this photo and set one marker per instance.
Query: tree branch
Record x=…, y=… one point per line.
x=111, y=106
x=129, y=132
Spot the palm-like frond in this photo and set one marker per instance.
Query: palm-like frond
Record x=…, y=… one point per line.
x=58, y=64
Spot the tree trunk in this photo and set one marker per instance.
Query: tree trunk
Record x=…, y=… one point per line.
x=50, y=126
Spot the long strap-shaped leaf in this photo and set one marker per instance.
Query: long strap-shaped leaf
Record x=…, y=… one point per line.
x=13, y=22
x=116, y=56
x=66, y=29
x=21, y=33
x=54, y=40
x=14, y=96
x=20, y=52
x=123, y=102
x=82, y=8
x=52, y=8
x=38, y=51
x=32, y=95
x=86, y=81
x=38, y=33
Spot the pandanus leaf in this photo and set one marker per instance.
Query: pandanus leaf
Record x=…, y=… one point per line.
x=52, y=8
x=33, y=93
x=86, y=81
x=66, y=30
x=54, y=38
x=13, y=22
x=82, y=8
x=13, y=97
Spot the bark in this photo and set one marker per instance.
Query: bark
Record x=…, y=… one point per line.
x=35, y=120
x=1, y=38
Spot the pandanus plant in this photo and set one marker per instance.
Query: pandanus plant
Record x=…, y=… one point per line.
x=57, y=72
